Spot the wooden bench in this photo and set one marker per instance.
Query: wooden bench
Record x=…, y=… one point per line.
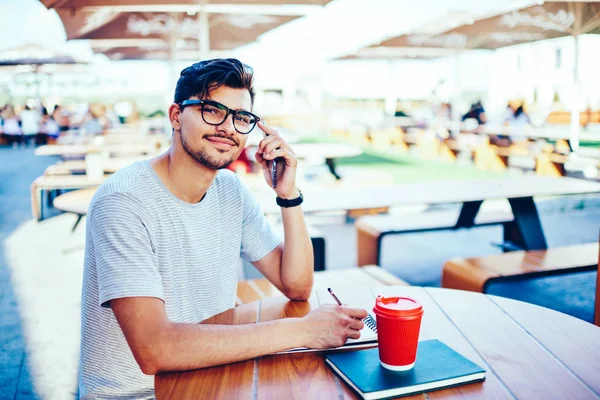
x=370, y=230
x=368, y=276
x=474, y=274
x=551, y=164
x=490, y=157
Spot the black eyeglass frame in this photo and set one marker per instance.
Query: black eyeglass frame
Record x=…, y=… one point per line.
x=194, y=102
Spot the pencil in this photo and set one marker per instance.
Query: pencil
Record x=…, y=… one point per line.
x=334, y=296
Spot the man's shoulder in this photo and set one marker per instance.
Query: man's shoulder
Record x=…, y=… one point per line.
x=126, y=185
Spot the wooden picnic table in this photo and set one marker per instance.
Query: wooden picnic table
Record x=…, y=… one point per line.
x=71, y=167
x=528, y=352
x=549, y=133
x=45, y=183
x=73, y=150
x=519, y=191
x=323, y=151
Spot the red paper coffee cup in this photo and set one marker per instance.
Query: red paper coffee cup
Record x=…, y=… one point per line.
x=398, y=325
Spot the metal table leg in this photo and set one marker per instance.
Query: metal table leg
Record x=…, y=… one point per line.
x=527, y=231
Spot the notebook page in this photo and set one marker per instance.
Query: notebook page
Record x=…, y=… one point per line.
x=368, y=338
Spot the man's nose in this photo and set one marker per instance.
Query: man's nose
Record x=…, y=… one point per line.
x=227, y=125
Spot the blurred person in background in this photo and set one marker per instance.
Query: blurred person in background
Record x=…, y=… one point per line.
x=93, y=122
x=49, y=129
x=517, y=120
x=61, y=116
x=476, y=112
x=11, y=126
x=30, y=124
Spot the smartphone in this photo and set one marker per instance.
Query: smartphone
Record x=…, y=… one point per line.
x=273, y=166
x=274, y=172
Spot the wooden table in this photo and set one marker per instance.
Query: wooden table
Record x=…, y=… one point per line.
x=529, y=352
x=76, y=202
x=71, y=167
x=550, y=133
x=81, y=150
x=327, y=151
x=519, y=191
x=46, y=183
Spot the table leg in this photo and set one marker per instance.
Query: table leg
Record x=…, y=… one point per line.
x=36, y=201
x=79, y=216
x=528, y=234
x=468, y=212
x=331, y=165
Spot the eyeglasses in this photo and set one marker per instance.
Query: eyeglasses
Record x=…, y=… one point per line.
x=214, y=113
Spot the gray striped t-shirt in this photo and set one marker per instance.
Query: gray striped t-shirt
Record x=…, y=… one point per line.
x=143, y=241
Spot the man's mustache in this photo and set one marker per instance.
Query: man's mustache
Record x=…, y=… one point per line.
x=229, y=138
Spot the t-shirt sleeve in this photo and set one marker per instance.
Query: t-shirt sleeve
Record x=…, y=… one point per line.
x=126, y=263
x=258, y=238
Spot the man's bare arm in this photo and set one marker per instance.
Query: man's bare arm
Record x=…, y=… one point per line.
x=160, y=345
x=290, y=266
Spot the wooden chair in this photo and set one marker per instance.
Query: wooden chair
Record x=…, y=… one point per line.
x=475, y=274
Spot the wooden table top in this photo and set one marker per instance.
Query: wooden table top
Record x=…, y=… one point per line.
x=438, y=192
x=319, y=200
x=77, y=201
x=110, y=166
x=325, y=150
x=78, y=149
x=528, y=352
x=53, y=182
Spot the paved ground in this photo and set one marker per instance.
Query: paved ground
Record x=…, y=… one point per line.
x=18, y=168
x=40, y=275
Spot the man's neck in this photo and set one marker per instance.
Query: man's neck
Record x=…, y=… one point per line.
x=183, y=176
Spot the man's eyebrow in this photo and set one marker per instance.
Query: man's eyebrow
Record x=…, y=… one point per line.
x=235, y=109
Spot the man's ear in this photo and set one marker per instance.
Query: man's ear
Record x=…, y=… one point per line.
x=174, y=115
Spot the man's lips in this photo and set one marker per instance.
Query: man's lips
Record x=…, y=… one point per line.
x=221, y=141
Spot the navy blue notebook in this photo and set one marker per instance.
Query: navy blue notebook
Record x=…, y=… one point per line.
x=437, y=367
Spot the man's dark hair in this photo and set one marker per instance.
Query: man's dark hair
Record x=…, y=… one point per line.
x=202, y=77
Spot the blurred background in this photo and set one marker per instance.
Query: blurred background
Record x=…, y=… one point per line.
x=406, y=116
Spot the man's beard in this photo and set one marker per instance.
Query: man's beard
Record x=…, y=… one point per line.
x=203, y=158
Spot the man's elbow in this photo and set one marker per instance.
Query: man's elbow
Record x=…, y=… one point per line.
x=299, y=293
x=149, y=359
x=149, y=368
x=300, y=297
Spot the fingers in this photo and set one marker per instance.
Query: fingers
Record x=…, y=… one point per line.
x=266, y=129
x=271, y=143
x=356, y=324
x=283, y=153
x=358, y=313
x=260, y=159
x=353, y=334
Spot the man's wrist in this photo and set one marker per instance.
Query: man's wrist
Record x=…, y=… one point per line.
x=293, y=194
x=298, y=331
x=293, y=202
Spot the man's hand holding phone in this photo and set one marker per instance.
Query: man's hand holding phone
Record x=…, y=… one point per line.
x=272, y=149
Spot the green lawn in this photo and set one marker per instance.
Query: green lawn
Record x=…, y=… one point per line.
x=407, y=168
